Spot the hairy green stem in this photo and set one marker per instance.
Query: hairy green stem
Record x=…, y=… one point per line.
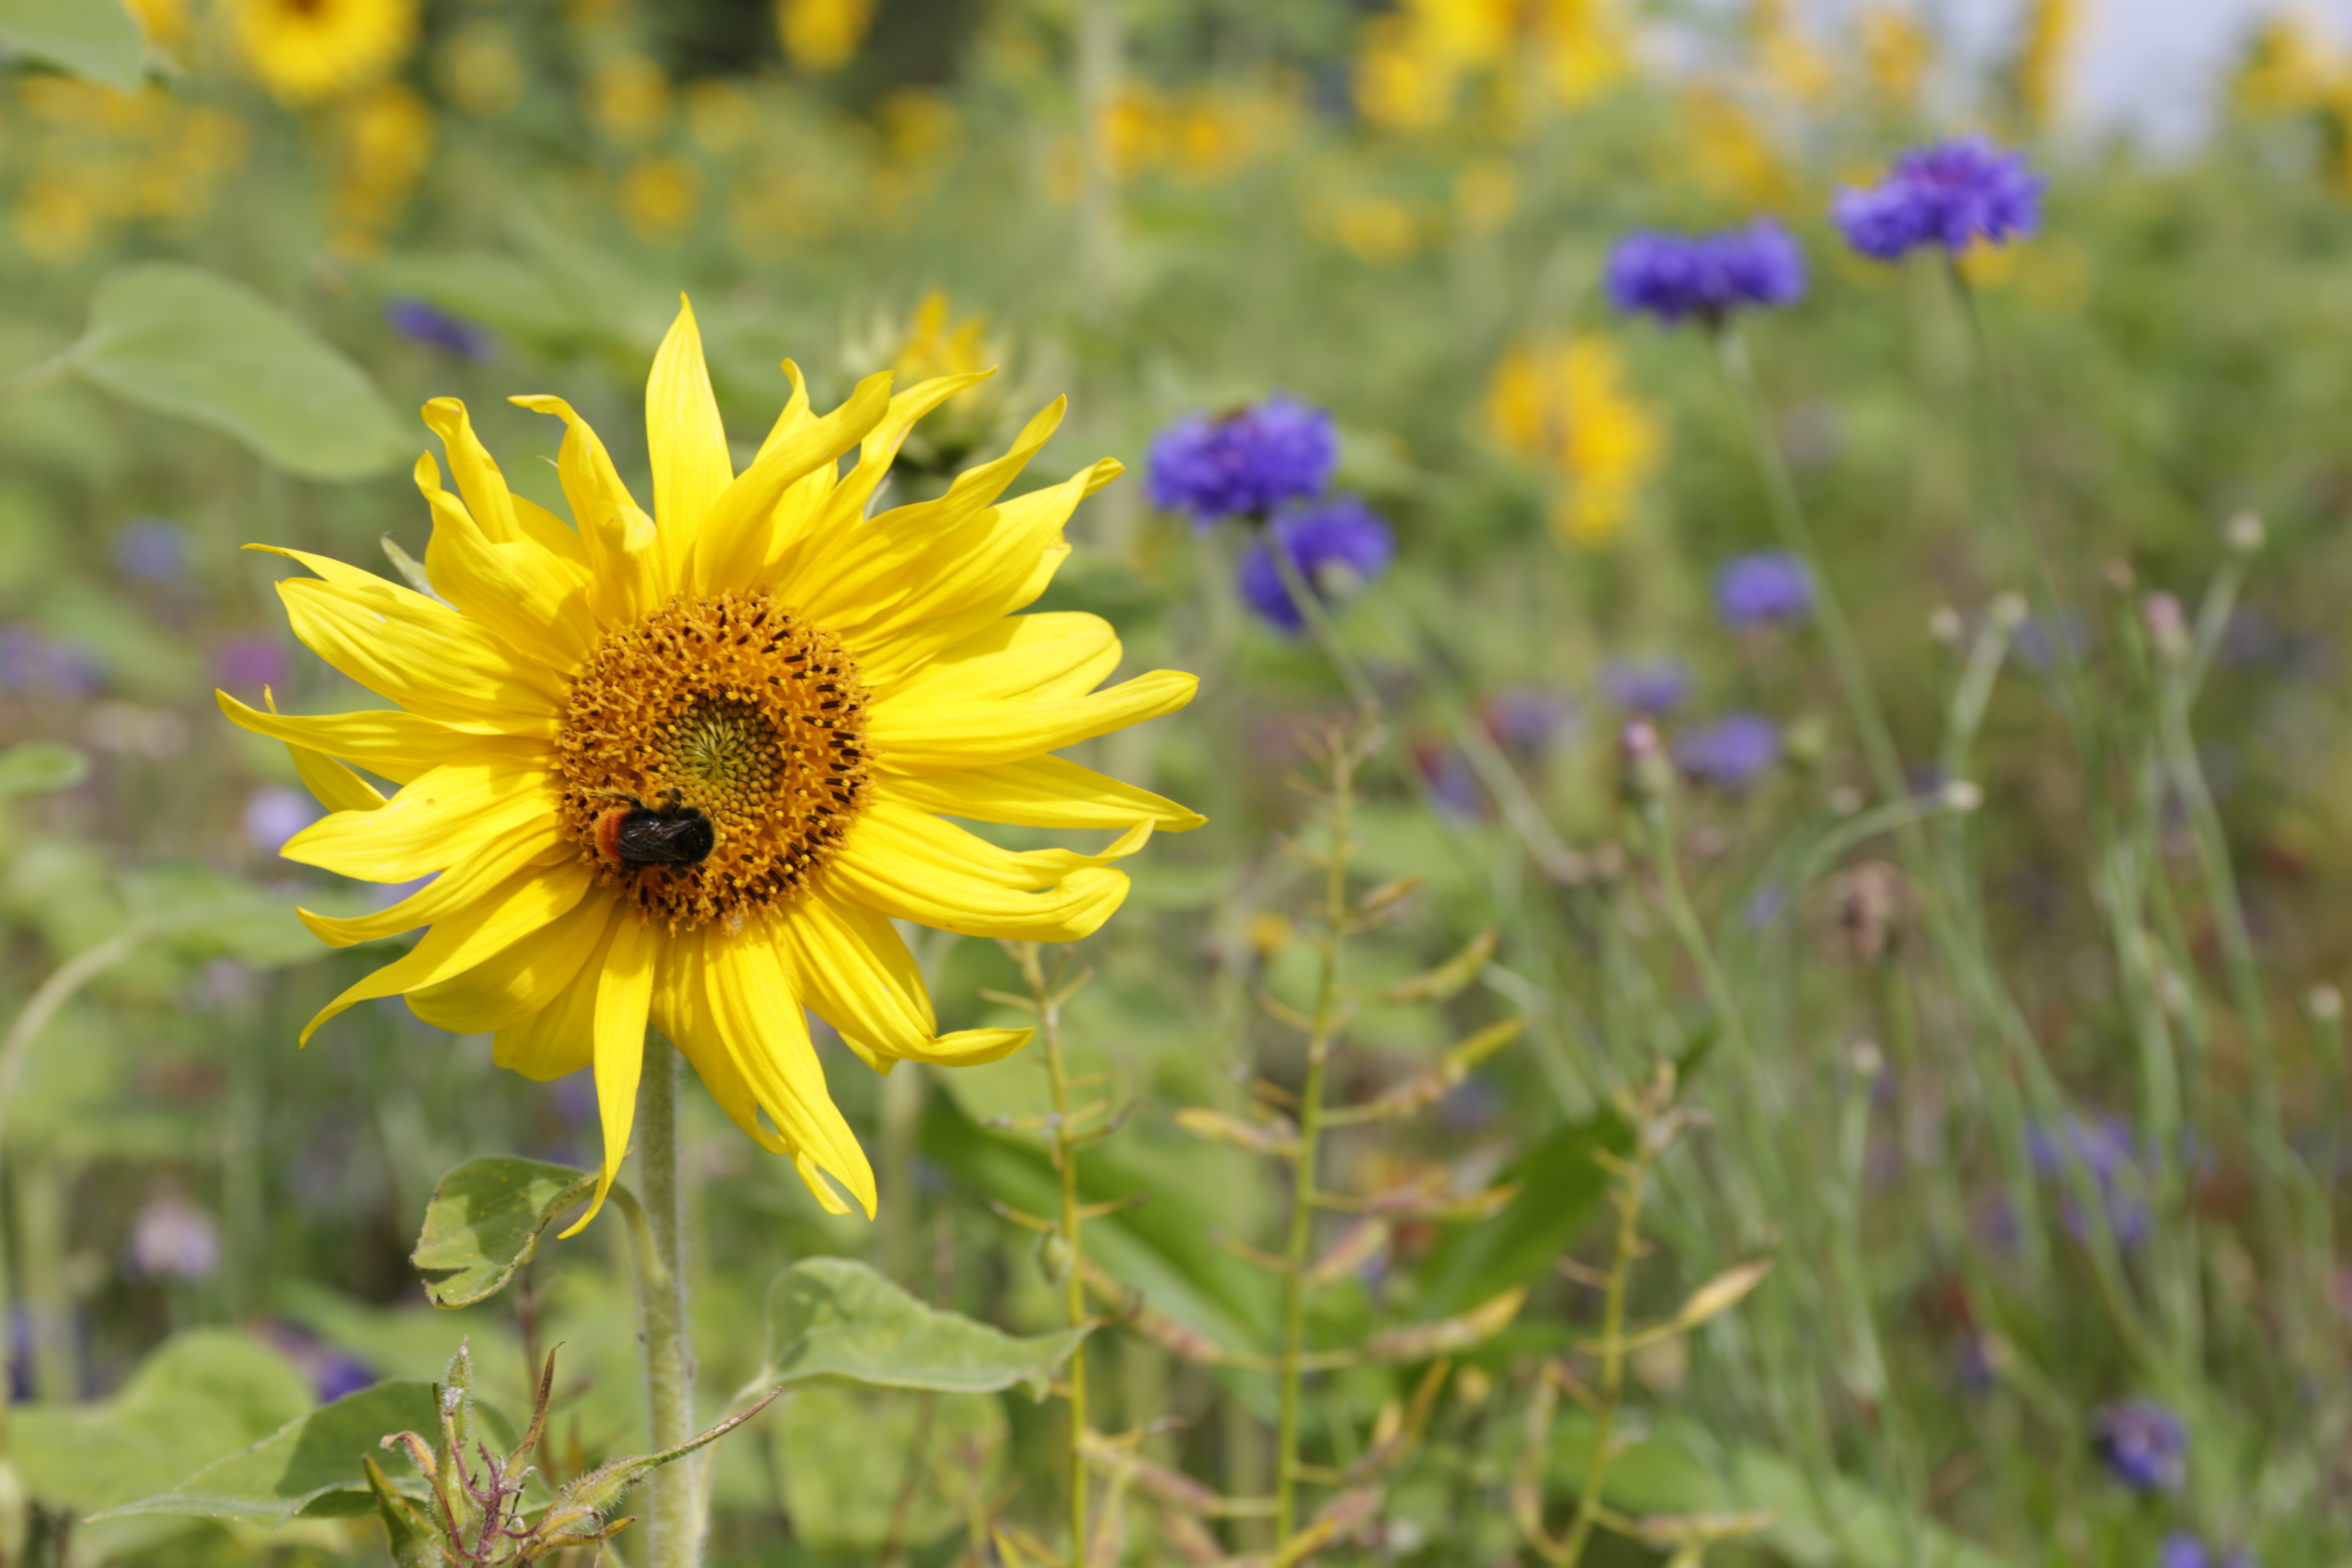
x=1064, y=1150
x=1311, y=1129
x=675, y=1528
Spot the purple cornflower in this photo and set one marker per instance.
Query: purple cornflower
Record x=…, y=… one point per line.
x=2182, y=1550
x=151, y=550
x=1671, y=275
x=1243, y=464
x=274, y=815
x=1528, y=719
x=1451, y=783
x=1763, y=590
x=2106, y=1148
x=1729, y=752
x=420, y=323
x=1652, y=686
x=45, y=667
x=2144, y=1443
x=248, y=660
x=1338, y=546
x=1952, y=195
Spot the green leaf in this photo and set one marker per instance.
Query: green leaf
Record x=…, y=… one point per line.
x=202, y=1394
x=833, y=1321
x=200, y=913
x=1560, y=1185
x=89, y=37
x=314, y=1464
x=40, y=767
x=844, y=1458
x=185, y=342
x=485, y=1220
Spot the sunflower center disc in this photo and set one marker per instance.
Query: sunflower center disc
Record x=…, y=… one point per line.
x=754, y=717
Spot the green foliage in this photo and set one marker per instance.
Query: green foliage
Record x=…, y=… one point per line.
x=859, y=1469
x=40, y=767
x=312, y=1467
x=94, y=37
x=485, y=1221
x=185, y=342
x=833, y=1322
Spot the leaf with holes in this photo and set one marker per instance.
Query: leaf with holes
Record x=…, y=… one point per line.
x=485, y=1220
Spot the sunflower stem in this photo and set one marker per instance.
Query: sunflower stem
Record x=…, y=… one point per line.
x=675, y=1528
x=1049, y=995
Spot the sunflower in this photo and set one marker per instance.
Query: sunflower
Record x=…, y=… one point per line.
x=304, y=50
x=686, y=768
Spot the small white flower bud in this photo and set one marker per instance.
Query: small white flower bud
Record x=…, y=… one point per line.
x=2009, y=611
x=2243, y=533
x=2168, y=627
x=2325, y=1001
x=1945, y=625
x=1962, y=795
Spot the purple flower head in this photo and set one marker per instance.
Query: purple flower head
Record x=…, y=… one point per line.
x=1952, y=195
x=249, y=661
x=2105, y=1147
x=44, y=667
x=1671, y=275
x=1528, y=719
x=274, y=815
x=172, y=1238
x=1652, y=686
x=1243, y=464
x=151, y=550
x=1731, y=752
x=1337, y=545
x=2182, y=1550
x=1451, y=783
x=420, y=323
x=2143, y=1444
x=1763, y=590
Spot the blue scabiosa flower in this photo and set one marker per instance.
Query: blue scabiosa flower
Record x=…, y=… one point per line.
x=420, y=323
x=2182, y=1550
x=1672, y=275
x=1768, y=589
x=2106, y=1148
x=1652, y=686
x=1243, y=464
x=1953, y=195
x=1339, y=546
x=2143, y=1444
x=1731, y=752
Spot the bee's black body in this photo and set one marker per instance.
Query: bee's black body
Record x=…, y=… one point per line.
x=672, y=834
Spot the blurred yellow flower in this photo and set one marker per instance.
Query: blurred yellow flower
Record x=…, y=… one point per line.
x=2288, y=68
x=305, y=50
x=660, y=195
x=1567, y=410
x=1486, y=193
x=1413, y=61
x=2041, y=56
x=1788, y=59
x=1732, y=154
x=720, y=116
x=628, y=98
x=1400, y=86
x=932, y=347
x=822, y=35
x=1586, y=47
x=1205, y=134
x=383, y=140
x=99, y=159
x=1374, y=228
x=165, y=22
x=1895, y=53
x=479, y=69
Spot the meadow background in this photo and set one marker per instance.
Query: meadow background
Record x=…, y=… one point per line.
x=2029, y=1080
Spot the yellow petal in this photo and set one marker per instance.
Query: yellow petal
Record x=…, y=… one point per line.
x=625, y=989
x=478, y=480
x=431, y=825
x=1043, y=792
x=424, y=655
x=331, y=783
x=902, y=863
x=856, y=975
x=552, y=533
x=685, y=440
x=1043, y=657
x=528, y=978
x=618, y=536
x=766, y=1036
x=732, y=548
x=805, y=532
x=682, y=1013
x=913, y=736
x=385, y=741
x=965, y=580
x=533, y=602
x=514, y=909
x=560, y=1038
x=501, y=856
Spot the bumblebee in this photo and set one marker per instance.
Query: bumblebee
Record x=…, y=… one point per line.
x=671, y=834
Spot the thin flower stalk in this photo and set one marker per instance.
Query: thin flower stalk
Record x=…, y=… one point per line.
x=674, y=1517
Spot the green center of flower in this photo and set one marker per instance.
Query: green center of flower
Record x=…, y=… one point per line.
x=730, y=708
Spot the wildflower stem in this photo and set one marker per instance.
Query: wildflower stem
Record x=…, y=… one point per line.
x=674, y=1529
x=1318, y=626
x=1048, y=998
x=1341, y=759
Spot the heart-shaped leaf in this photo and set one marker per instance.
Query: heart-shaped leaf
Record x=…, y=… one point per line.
x=188, y=342
x=89, y=37
x=485, y=1220
x=830, y=1320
